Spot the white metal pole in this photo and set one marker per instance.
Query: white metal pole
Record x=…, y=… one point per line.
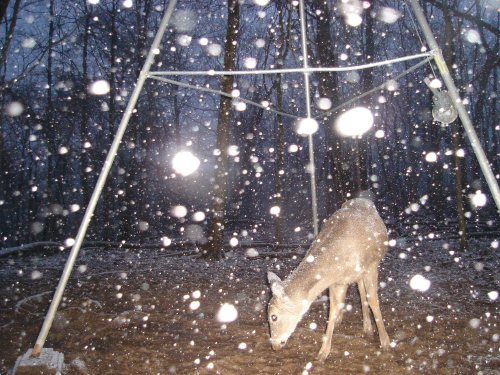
x=457, y=102
x=49, y=318
x=312, y=166
x=318, y=69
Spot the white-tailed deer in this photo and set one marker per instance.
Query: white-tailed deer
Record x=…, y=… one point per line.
x=347, y=250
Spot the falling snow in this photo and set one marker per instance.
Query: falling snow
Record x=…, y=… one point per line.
x=180, y=310
x=420, y=283
x=100, y=87
x=143, y=298
x=306, y=126
x=185, y=163
x=354, y=122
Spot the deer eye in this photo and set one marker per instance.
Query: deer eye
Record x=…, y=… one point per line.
x=274, y=318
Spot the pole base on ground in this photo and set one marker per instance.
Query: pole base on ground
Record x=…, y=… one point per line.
x=49, y=362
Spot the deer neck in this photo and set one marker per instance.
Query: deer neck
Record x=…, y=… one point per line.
x=306, y=283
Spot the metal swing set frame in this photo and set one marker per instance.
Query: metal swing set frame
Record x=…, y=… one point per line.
x=434, y=54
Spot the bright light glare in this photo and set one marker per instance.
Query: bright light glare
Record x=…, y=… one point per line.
x=184, y=21
x=69, y=242
x=472, y=36
x=260, y=43
x=436, y=83
x=478, y=199
x=250, y=62
x=355, y=122
x=391, y=85
x=184, y=40
x=100, y=87
x=431, y=157
x=352, y=11
x=199, y=216
x=227, y=313
x=324, y=104
x=242, y=346
x=185, y=163
x=306, y=126
x=233, y=150
x=239, y=105
x=275, y=210
x=166, y=241
x=420, y=283
x=29, y=43
x=388, y=15
x=194, y=305
x=251, y=253
x=353, y=19
x=214, y=49
x=14, y=109
x=493, y=295
x=196, y=294
x=179, y=211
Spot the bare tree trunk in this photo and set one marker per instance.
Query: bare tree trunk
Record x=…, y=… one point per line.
x=108, y=218
x=361, y=143
x=214, y=247
x=177, y=118
x=3, y=8
x=84, y=136
x=482, y=80
x=336, y=177
x=494, y=111
x=280, y=143
x=10, y=28
x=457, y=138
x=50, y=134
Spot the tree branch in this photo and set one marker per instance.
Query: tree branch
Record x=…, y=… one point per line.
x=474, y=19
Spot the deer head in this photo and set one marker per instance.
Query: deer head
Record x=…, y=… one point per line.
x=284, y=312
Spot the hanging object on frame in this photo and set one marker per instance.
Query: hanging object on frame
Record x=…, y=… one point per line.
x=443, y=109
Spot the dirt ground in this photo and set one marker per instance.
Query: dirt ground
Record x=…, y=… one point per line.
x=155, y=312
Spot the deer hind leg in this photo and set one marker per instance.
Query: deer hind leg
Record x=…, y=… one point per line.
x=367, y=322
x=337, y=298
x=370, y=280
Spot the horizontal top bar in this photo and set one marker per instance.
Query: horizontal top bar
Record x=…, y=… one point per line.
x=289, y=70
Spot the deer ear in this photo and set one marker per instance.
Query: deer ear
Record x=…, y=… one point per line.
x=276, y=285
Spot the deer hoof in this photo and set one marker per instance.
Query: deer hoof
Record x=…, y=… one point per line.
x=385, y=344
x=323, y=355
x=368, y=332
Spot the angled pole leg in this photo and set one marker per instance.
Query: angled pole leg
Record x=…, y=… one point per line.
x=457, y=102
x=49, y=318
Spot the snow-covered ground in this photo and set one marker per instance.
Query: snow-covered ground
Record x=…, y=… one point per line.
x=147, y=311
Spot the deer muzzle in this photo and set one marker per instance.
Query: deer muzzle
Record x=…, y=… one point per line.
x=277, y=345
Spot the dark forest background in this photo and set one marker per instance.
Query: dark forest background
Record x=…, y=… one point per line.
x=54, y=132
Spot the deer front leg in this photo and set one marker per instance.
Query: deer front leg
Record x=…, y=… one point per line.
x=337, y=297
x=367, y=322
